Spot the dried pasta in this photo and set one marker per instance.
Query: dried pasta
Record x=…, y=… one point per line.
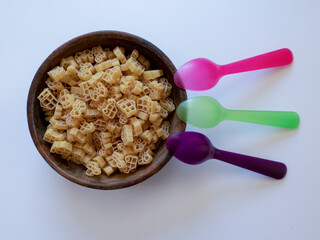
x=106, y=111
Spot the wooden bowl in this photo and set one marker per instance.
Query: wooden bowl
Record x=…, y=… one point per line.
x=38, y=125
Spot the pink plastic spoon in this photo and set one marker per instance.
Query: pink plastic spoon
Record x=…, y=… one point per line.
x=201, y=74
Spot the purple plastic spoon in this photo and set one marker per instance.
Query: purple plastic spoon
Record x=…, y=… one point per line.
x=202, y=74
x=195, y=148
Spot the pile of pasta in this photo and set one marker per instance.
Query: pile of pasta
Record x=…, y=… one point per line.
x=106, y=110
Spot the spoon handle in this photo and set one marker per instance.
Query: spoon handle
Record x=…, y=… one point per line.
x=266, y=167
x=271, y=118
x=276, y=58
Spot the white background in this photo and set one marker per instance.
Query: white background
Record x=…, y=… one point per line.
x=210, y=201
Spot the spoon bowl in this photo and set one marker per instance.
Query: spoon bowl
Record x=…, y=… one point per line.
x=203, y=112
x=190, y=147
x=198, y=75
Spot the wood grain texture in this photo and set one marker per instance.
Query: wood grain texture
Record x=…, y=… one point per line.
x=38, y=125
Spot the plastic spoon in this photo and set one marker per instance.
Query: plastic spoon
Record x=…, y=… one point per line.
x=202, y=74
x=195, y=148
x=206, y=112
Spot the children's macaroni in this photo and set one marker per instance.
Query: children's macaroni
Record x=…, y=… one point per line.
x=107, y=111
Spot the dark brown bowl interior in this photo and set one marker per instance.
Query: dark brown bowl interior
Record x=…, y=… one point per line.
x=37, y=123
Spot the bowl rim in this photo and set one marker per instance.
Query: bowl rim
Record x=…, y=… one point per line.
x=32, y=96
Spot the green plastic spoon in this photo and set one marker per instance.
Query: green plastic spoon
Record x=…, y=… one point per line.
x=206, y=112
